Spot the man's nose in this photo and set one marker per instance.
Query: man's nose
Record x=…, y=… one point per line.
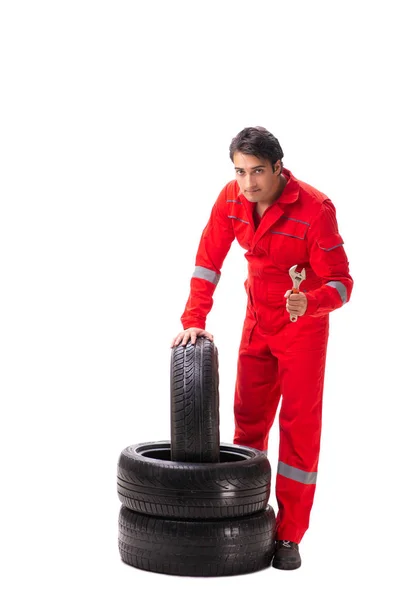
x=250, y=183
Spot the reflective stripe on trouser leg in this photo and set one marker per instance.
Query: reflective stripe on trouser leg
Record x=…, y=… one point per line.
x=296, y=474
x=302, y=369
x=257, y=390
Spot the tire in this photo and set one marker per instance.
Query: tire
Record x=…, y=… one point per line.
x=149, y=482
x=197, y=548
x=195, y=402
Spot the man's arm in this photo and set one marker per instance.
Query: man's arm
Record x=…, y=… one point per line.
x=329, y=261
x=214, y=245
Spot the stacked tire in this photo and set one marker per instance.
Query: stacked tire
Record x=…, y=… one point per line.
x=192, y=506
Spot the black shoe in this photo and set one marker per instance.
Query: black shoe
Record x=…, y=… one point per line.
x=286, y=555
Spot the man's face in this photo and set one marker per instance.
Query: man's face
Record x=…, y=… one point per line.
x=257, y=181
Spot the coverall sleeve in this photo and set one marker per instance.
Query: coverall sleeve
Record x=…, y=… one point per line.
x=215, y=242
x=329, y=261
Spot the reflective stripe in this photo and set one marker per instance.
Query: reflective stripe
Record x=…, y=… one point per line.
x=288, y=234
x=232, y=217
x=208, y=274
x=332, y=248
x=341, y=288
x=297, y=220
x=297, y=474
x=235, y=201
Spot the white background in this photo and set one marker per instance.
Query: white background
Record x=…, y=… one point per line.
x=116, y=119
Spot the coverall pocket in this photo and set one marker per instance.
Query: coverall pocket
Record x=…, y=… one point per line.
x=308, y=334
x=248, y=329
x=250, y=304
x=287, y=243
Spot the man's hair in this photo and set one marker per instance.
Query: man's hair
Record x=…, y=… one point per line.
x=256, y=141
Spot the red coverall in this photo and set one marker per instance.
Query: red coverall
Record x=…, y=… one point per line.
x=276, y=356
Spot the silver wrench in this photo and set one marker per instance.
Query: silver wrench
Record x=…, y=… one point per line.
x=297, y=277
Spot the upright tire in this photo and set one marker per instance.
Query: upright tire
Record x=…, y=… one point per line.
x=195, y=402
x=197, y=548
x=149, y=482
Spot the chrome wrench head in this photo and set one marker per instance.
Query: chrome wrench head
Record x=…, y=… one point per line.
x=296, y=276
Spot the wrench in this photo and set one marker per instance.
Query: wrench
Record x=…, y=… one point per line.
x=297, y=277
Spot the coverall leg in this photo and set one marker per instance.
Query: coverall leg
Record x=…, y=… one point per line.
x=257, y=392
x=291, y=362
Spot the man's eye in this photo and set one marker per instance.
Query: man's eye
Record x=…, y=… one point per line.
x=259, y=170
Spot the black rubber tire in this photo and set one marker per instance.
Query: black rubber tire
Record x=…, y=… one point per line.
x=197, y=548
x=149, y=482
x=195, y=402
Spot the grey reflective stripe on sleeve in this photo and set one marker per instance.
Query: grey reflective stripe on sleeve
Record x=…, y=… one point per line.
x=208, y=274
x=235, y=201
x=296, y=474
x=341, y=288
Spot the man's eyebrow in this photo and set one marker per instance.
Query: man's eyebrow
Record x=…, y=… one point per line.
x=256, y=167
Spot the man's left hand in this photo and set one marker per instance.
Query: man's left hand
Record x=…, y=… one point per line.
x=296, y=304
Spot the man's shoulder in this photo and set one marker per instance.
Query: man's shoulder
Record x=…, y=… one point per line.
x=231, y=190
x=228, y=194
x=310, y=193
x=310, y=201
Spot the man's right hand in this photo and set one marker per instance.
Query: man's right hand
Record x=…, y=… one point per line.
x=192, y=333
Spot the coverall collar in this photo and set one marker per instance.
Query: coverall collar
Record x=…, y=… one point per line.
x=291, y=190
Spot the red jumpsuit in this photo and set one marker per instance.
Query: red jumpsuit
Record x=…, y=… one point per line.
x=278, y=357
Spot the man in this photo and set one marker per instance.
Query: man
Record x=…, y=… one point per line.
x=281, y=222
